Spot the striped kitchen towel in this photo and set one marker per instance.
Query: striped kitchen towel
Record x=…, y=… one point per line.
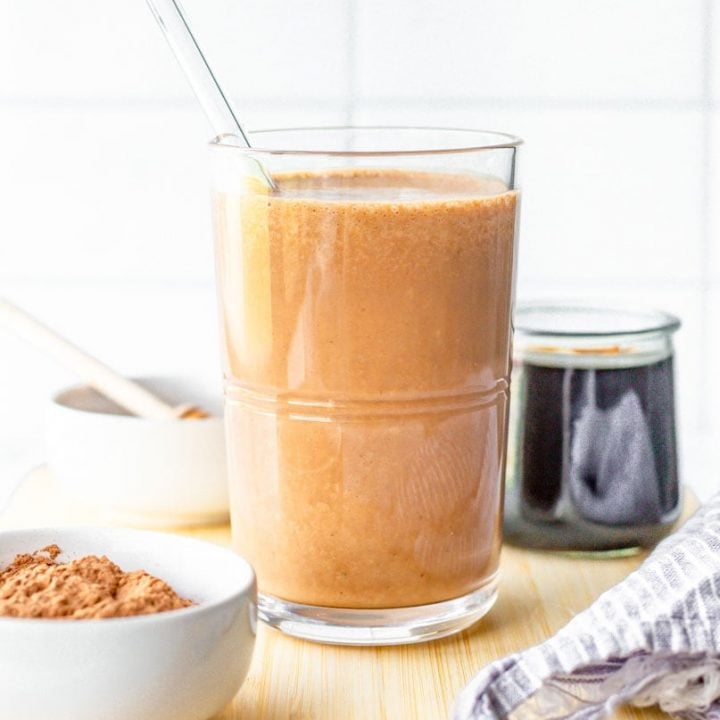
x=652, y=639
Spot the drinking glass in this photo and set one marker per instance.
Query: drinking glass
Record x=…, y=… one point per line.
x=366, y=300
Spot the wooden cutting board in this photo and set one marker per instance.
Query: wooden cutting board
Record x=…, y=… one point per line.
x=295, y=680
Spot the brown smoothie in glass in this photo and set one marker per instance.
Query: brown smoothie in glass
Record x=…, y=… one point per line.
x=366, y=330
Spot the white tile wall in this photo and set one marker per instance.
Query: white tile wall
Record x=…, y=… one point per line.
x=608, y=194
x=109, y=192
x=86, y=49
x=713, y=193
x=83, y=49
x=512, y=49
x=275, y=49
x=712, y=29
x=116, y=192
x=104, y=224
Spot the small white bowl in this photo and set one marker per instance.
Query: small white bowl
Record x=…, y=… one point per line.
x=180, y=665
x=155, y=473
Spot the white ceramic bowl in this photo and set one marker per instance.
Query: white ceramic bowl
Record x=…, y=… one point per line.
x=180, y=665
x=142, y=472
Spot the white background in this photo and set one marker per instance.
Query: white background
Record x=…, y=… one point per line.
x=104, y=218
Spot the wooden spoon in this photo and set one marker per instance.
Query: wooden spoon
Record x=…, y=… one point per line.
x=126, y=393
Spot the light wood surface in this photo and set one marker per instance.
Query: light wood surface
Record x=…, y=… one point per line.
x=295, y=680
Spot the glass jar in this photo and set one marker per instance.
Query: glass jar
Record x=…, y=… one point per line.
x=592, y=457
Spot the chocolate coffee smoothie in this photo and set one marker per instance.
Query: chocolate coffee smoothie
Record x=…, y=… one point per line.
x=366, y=327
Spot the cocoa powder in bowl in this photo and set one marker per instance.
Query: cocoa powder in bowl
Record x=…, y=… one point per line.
x=36, y=585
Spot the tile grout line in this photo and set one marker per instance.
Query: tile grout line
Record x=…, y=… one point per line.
x=706, y=142
x=348, y=101
x=546, y=102
x=350, y=60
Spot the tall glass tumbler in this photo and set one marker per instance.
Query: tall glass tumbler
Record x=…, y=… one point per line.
x=366, y=306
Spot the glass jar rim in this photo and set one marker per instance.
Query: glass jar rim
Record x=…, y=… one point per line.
x=589, y=320
x=494, y=141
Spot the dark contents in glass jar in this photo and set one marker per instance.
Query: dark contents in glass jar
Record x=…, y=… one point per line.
x=596, y=459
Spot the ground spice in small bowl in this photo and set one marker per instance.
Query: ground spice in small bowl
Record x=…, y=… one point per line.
x=36, y=585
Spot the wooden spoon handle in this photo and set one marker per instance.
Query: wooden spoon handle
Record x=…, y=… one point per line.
x=124, y=392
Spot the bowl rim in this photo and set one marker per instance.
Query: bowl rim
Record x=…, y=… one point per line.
x=56, y=402
x=248, y=587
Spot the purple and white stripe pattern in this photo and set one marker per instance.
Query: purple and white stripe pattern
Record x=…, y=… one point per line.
x=652, y=639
